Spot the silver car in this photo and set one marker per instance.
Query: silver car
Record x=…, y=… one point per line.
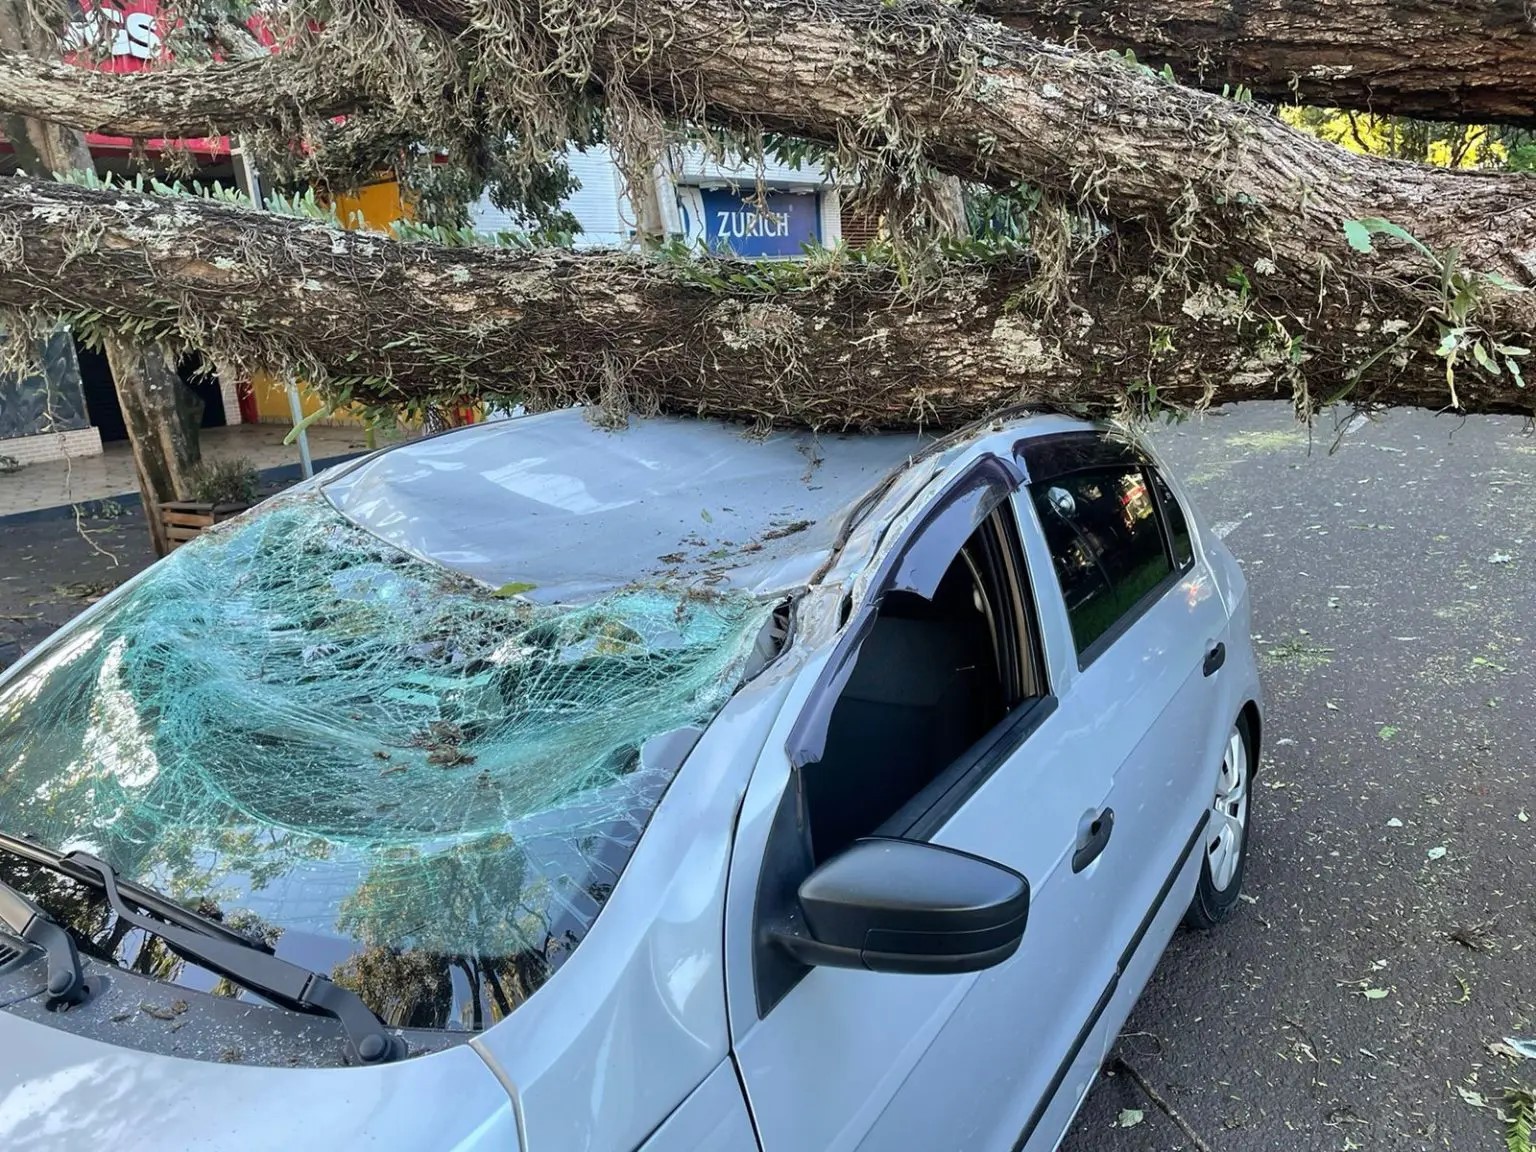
x=540, y=786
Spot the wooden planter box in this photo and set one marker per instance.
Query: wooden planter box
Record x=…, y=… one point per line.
x=184, y=519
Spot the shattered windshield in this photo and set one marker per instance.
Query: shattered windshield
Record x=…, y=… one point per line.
x=401, y=777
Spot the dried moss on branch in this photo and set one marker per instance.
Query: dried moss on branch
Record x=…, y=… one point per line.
x=833, y=344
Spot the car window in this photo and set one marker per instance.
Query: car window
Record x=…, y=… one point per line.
x=1173, y=518
x=1106, y=545
x=933, y=679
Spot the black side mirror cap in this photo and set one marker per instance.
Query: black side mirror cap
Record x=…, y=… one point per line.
x=890, y=905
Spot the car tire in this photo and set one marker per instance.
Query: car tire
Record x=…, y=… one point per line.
x=1226, y=835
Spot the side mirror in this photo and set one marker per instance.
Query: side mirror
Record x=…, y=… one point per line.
x=890, y=905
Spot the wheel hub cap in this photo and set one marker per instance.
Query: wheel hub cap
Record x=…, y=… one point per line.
x=1229, y=814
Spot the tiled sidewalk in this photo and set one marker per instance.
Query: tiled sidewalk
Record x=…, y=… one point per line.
x=64, y=482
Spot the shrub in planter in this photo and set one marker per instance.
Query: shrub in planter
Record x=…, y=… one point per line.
x=225, y=482
x=221, y=489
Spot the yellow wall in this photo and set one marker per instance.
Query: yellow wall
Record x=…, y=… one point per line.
x=378, y=205
x=272, y=401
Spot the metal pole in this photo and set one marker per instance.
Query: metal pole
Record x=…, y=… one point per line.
x=295, y=407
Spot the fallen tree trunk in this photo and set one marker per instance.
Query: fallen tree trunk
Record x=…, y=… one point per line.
x=831, y=346
x=1222, y=208
x=898, y=84
x=894, y=85
x=1469, y=61
x=1216, y=185
x=1227, y=196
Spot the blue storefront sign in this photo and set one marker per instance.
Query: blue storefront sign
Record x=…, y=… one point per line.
x=781, y=224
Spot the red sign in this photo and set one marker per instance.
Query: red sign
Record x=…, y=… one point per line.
x=130, y=36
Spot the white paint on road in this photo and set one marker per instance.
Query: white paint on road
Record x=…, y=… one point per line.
x=1225, y=527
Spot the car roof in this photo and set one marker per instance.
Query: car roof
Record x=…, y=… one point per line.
x=573, y=511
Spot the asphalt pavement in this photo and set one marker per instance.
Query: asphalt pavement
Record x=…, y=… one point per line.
x=1389, y=937
x=51, y=568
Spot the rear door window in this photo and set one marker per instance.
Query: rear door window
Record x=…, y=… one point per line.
x=1173, y=517
x=1106, y=544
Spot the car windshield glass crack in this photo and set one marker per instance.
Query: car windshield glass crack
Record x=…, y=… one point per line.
x=401, y=777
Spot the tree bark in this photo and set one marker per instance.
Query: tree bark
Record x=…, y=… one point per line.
x=276, y=90
x=991, y=104
x=1466, y=61
x=1216, y=212
x=843, y=346
x=950, y=217
x=1470, y=61
x=164, y=446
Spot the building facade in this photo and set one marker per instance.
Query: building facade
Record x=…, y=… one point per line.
x=776, y=213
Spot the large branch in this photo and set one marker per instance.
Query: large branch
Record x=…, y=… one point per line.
x=1225, y=191
x=1248, y=218
x=1472, y=61
x=175, y=102
x=994, y=104
x=841, y=345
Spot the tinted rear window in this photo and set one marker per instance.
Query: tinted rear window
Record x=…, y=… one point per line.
x=1173, y=517
x=1106, y=545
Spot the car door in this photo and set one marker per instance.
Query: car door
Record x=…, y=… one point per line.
x=1148, y=629
x=841, y=1059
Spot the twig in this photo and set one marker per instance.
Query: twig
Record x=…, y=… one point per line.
x=1120, y=1066
x=86, y=536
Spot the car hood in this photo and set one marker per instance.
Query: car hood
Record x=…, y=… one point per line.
x=63, y=1091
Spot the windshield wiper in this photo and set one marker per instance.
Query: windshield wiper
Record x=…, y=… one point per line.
x=220, y=949
x=66, y=982
x=146, y=899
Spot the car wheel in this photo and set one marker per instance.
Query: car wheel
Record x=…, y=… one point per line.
x=1226, y=835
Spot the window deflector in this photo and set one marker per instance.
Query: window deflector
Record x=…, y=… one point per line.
x=917, y=564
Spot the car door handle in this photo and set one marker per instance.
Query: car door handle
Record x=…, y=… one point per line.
x=1215, y=658
x=1092, y=842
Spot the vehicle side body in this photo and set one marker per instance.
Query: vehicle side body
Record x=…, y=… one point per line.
x=677, y=1025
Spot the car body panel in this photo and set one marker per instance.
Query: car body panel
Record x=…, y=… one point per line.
x=642, y=1001
x=540, y=501
x=713, y=1119
x=62, y=1091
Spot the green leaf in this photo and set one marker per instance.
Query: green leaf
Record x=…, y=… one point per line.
x=1520, y=1115
x=516, y=588
x=1374, y=993
x=1484, y=361
x=318, y=414
x=1504, y=282
x=1358, y=235
x=1130, y=1117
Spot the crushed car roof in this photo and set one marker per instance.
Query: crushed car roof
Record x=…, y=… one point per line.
x=562, y=511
